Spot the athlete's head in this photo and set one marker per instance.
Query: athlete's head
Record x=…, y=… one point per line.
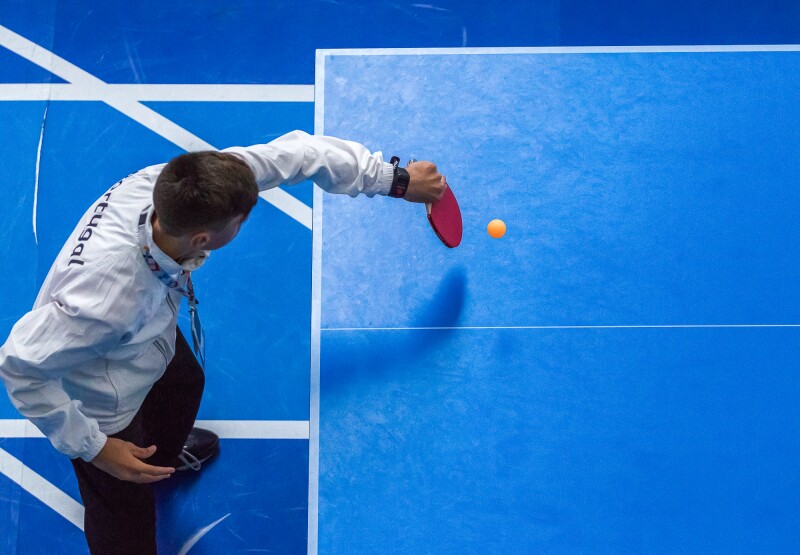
x=204, y=191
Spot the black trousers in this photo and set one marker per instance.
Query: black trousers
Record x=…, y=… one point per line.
x=120, y=516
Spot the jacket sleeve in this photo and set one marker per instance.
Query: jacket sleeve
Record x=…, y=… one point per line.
x=336, y=165
x=79, y=323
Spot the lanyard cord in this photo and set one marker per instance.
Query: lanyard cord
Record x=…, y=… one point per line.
x=187, y=290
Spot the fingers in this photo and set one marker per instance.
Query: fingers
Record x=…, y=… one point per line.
x=142, y=473
x=427, y=184
x=425, y=168
x=436, y=192
x=143, y=478
x=143, y=452
x=150, y=473
x=124, y=460
x=442, y=188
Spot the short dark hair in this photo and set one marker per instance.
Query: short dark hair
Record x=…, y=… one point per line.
x=201, y=191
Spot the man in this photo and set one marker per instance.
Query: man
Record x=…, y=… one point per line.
x=99, y=365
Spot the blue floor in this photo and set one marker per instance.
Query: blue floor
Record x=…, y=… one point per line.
x=556, y=441
x=258, y=360
x=410, y=437
x=618, y=372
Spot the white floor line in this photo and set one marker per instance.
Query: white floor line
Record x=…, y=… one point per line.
x=199, y=535
x=631, y=327
x=41, y=489
x=63, y=504
x=257, y=429
x=140, y=113
x=156, y=93
x=665, y=49
x=36, y=176
x=316, y=312
x=226, y=429
x=18, y=427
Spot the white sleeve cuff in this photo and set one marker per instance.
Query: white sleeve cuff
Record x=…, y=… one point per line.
x=95, y=447
x=383, y=184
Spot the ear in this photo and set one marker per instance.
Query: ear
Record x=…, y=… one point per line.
x=199, y=240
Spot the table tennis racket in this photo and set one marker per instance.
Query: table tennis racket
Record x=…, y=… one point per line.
x=444, y=215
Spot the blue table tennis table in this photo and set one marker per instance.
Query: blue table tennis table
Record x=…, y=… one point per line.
x=619, y=373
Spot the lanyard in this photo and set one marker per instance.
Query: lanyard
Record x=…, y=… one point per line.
x=187, y=290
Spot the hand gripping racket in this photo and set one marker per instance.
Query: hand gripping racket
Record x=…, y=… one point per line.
x=444, y=215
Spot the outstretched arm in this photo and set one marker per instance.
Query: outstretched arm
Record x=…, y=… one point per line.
x=336, y=165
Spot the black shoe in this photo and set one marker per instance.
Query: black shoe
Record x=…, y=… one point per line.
x=200, y=446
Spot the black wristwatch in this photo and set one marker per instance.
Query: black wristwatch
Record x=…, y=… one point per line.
x=400, y=179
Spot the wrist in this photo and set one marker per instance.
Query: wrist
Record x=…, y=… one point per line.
x=98, y=444
x=400, y=179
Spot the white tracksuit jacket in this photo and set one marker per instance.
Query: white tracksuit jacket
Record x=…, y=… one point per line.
x=102, y=330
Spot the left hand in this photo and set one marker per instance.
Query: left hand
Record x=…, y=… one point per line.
x=125, y=461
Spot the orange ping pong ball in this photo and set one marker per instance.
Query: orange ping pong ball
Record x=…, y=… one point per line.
x=496, y=228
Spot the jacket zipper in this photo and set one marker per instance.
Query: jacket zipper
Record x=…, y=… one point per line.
x=171, y=304
x=161, y=349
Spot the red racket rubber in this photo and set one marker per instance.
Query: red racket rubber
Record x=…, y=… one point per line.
x=445, y=218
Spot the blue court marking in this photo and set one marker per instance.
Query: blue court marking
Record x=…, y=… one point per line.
x=240, y=41
x=24, y=517
x=259, y=356
x=263, y=485
x=19, y=70
x=508, y=395
x=135, y=43
x=22, y=124
x=87, y=146
x=222, y=125
x=55, y=468
x=265, y=514
x=86, y=150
